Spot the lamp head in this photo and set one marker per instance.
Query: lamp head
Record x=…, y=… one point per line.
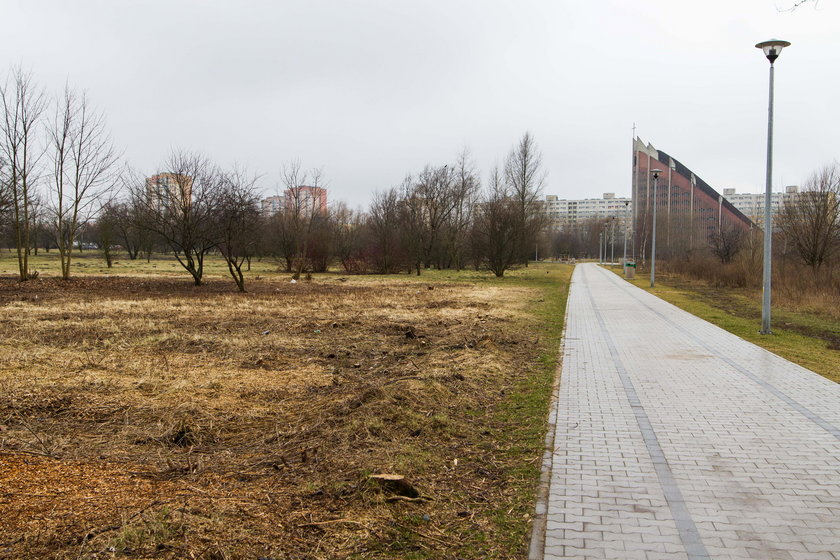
x=772, y=48
x=656, y=173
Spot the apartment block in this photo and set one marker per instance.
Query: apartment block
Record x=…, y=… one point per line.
x=272, y=205
x=304, y=199
x=169, y=190
x=752, y=204
x=569, y=213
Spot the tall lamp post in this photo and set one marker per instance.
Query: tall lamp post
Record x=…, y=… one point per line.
x=772, y=49
x=601, y=247
x=606, y=240
x=626, y=223
x=655, y=173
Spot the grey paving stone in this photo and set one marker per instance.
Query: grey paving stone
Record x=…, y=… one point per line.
x=676, y=439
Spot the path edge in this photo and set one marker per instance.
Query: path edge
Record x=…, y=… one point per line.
x=536, y=549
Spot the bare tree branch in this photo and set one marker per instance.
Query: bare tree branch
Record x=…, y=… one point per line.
x=23, y=103
x=83, y=163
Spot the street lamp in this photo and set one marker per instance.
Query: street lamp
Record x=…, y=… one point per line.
x=772, y=49
x=655, y=173
x=612, y=241
x=604, y=227
x=601, y=247
x=626, y=223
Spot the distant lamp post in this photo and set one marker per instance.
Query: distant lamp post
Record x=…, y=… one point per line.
x=655, y=173
x=626, y=223
x=601, y=247
x=772, y=49
x=606, y=239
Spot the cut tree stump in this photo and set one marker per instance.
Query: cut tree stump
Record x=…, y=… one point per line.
x=396, y=483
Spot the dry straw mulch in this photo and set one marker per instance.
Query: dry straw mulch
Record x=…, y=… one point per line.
x=149, y=418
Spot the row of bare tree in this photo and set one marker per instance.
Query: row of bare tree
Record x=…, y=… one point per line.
x=56, y=157
x=60, y=177
x=438, y=218
x=442, y=218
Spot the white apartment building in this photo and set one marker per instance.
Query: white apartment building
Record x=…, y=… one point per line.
x=272, y=205
x=752, y=204
x=567, y=213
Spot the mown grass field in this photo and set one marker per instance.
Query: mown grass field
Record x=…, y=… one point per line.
x=144, y=417
x=804, y=332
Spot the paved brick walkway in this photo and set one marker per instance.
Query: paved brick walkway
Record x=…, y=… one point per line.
x=677, y=440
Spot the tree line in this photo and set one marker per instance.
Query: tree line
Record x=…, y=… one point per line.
x=62, y=181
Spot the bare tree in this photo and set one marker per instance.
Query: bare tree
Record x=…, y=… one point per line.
x=349, y=238
x=302, y=209
x=430, y=202
x=178, y=205
x=465, y=192
x=39, y=232
x=811, y=220
x=726, y=242
x=129, y=218
x=106, y=231
x=83, y=160
x=496, y=226
x=281, y=240
x=238, y=218
x=525, y=179
x=23, y=104
x=796, y=4
x=319, y=251
x=386, y=242
x=5, y=193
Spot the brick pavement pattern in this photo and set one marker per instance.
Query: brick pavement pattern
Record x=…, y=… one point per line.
x=677, y=440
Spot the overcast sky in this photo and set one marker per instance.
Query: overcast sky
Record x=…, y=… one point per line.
x=373, y=89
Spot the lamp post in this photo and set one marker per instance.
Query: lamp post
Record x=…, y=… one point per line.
x=612, y=241
x=655, y=173
x=605, y=241
x=626, y=223
x=601, y=247
x=772, y=49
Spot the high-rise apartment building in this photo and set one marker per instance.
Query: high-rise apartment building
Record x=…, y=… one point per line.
x=169, y=190
x=271, y=205
x=565, y=213
x=752, y=204
x=306, y=199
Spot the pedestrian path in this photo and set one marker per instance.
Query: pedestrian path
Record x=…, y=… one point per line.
x=677, y=440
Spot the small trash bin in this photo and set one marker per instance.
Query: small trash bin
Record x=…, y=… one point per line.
x=630, y=269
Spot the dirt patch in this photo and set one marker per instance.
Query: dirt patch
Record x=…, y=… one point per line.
x=152, y=418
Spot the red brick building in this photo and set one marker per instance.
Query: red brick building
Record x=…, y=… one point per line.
x=689, y=211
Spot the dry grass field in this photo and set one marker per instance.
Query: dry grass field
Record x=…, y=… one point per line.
x=143, y=417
